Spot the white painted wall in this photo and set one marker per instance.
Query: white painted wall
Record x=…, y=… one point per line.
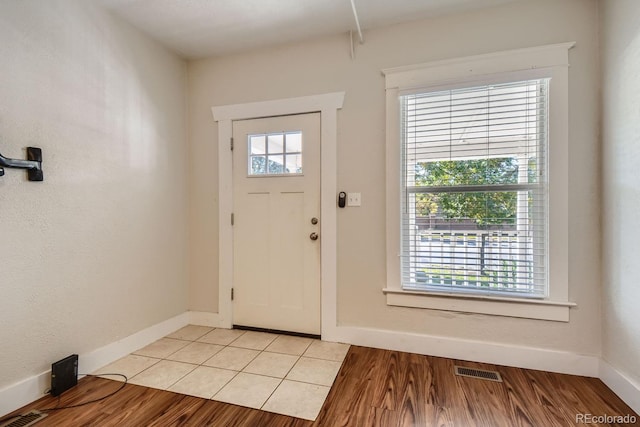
x=324, y=65
x=98, y=251
x=621, y=185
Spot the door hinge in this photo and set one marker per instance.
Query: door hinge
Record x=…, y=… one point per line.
x=231, y=144
x=231, y=294
x=232, y=219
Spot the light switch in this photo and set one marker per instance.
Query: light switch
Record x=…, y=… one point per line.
x=354, y=199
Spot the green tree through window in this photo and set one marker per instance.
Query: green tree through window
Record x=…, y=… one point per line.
x=486, y=208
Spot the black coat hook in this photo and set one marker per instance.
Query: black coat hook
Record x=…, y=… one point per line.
x=33, y=164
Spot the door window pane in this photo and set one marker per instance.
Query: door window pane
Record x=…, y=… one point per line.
x=294, y=142
x=276, y=143
x=256, y=144
x=257, y=165
x=294, y=163
x=275, y=164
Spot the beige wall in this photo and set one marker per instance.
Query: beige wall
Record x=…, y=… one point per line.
x=98, y=250
x=621, y=185
x=324, y=65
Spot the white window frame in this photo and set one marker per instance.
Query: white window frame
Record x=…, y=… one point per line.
x=545, y=61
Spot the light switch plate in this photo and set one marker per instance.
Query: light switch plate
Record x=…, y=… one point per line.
x=354, y=199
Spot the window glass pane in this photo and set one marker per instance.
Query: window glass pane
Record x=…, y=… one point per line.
x=276, y=143
x=275, y=164
x=256, y=144
x=467, y=172
x=294, y=163
x=294, y=142
x=258, y=165
x=532, y=170
x=475, y=241
x=469, y=210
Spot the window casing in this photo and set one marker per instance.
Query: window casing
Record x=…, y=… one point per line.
x=547, y=297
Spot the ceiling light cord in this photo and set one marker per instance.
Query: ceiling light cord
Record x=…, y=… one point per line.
x=353, y=53
x=355, y=15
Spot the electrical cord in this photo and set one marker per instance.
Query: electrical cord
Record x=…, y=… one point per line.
x=58, y=407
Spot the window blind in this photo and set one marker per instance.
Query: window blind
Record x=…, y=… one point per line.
x=474, y=199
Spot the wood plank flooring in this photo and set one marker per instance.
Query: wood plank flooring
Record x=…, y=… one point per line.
x=373, y=388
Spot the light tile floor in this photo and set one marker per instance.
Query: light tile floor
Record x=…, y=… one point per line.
x=276, y=373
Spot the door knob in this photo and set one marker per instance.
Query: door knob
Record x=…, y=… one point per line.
x=313, y=236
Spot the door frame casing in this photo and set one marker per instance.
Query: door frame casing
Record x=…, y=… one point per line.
x=327, y=105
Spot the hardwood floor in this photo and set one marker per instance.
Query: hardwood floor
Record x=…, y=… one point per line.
x=373, y=388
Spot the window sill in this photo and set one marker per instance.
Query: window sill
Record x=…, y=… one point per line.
x=498, y=306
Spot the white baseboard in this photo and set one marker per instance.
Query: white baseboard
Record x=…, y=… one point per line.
x=202, y=318
x=96, y=359
x=624, y=387
x=26, y=391
x=478, y=351
x=17, y=395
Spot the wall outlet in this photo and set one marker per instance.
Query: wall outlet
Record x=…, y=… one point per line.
x=354, y=199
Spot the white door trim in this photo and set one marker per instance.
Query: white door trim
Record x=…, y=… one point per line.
x=328, y=106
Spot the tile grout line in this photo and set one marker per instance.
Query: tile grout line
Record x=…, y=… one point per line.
x=196, y=365
x=236, y=372
x=264, y=350
x=270, y=394
x=285, y=375
x=281, y=380
x=169, y=360
x=224, y=385
x=212, y=367
x=179, y=379
x=201, y=364
x=148, y=367
x=328, y=360
x=245, y=366
x=231, y=370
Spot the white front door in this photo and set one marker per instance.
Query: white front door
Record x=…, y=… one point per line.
x=276, y=232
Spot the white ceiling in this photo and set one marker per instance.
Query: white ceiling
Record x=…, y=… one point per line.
x=201, y=28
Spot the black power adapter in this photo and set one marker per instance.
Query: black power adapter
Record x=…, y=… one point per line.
x=64, y=374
